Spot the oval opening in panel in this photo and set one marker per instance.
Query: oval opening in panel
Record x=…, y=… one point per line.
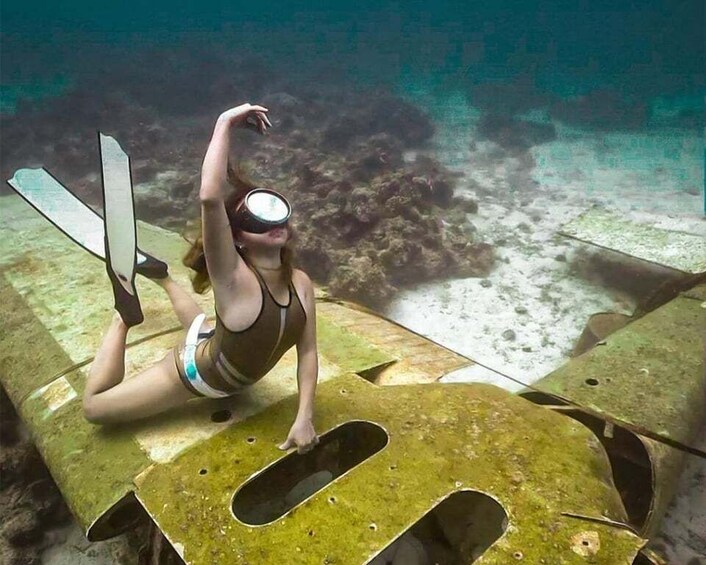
x=274, y=492
x=457, y=530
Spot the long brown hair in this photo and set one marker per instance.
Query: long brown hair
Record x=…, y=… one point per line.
x=195, y=258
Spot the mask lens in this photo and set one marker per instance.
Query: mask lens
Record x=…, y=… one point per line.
x=262, y=211
x=267, y=207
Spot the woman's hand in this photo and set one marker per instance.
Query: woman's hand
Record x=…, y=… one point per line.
x=248, y=116
x=302, y=436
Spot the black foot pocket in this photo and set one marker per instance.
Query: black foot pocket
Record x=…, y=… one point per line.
x=152, y=268
x=127, y=305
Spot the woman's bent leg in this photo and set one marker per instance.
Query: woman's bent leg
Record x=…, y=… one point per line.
x=107, y=398
x=154, y=390
x=108, y=367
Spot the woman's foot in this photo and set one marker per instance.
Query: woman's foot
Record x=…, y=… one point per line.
x=152, y=268
x=119, y=322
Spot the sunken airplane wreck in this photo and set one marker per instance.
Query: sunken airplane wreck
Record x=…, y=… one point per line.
x=578, y=468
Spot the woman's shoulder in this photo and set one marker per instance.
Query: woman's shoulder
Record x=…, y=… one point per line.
x=302, y=283
x=301, y=276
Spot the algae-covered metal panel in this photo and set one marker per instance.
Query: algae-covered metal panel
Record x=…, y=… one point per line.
x=58, y=303
x=29, y=356
x=420, y=360
x=442, y=439
x=646, y=471
x=93, y=466
x=59, y=290
x=346, y=349
x=682, y=251
x=648, y=376
x=667, y=465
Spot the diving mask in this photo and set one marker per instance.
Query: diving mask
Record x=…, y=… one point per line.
x=261, y=210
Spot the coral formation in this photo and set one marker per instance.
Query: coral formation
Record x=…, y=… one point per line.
x=385, y=226
x=370, y=218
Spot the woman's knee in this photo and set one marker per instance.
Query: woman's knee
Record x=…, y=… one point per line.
x=94, y=410
x=102, y=408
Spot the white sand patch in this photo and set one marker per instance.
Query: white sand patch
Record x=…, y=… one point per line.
x=532, y=291
x=651, y=177
x=68, y=546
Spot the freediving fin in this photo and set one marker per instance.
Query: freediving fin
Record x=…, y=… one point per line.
x=127, y=305
x=151, y=267
x=73, y=217
x=120, y=229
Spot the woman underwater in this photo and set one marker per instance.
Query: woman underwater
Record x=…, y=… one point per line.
x=263, y=308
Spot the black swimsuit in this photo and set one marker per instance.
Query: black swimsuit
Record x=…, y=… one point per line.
x=227, y=360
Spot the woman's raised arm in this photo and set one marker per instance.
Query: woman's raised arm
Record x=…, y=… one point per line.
x=221, y=257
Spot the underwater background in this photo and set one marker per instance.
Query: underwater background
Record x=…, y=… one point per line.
x=431, y=151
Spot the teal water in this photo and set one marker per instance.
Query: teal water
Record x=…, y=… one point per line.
x=446, y=57
x=643, y=48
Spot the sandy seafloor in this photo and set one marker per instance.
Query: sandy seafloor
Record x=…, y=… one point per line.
x=543, y=287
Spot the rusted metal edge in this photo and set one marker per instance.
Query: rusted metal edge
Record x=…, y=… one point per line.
x=647, y=377
x=617, y=422
x=665, y=465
